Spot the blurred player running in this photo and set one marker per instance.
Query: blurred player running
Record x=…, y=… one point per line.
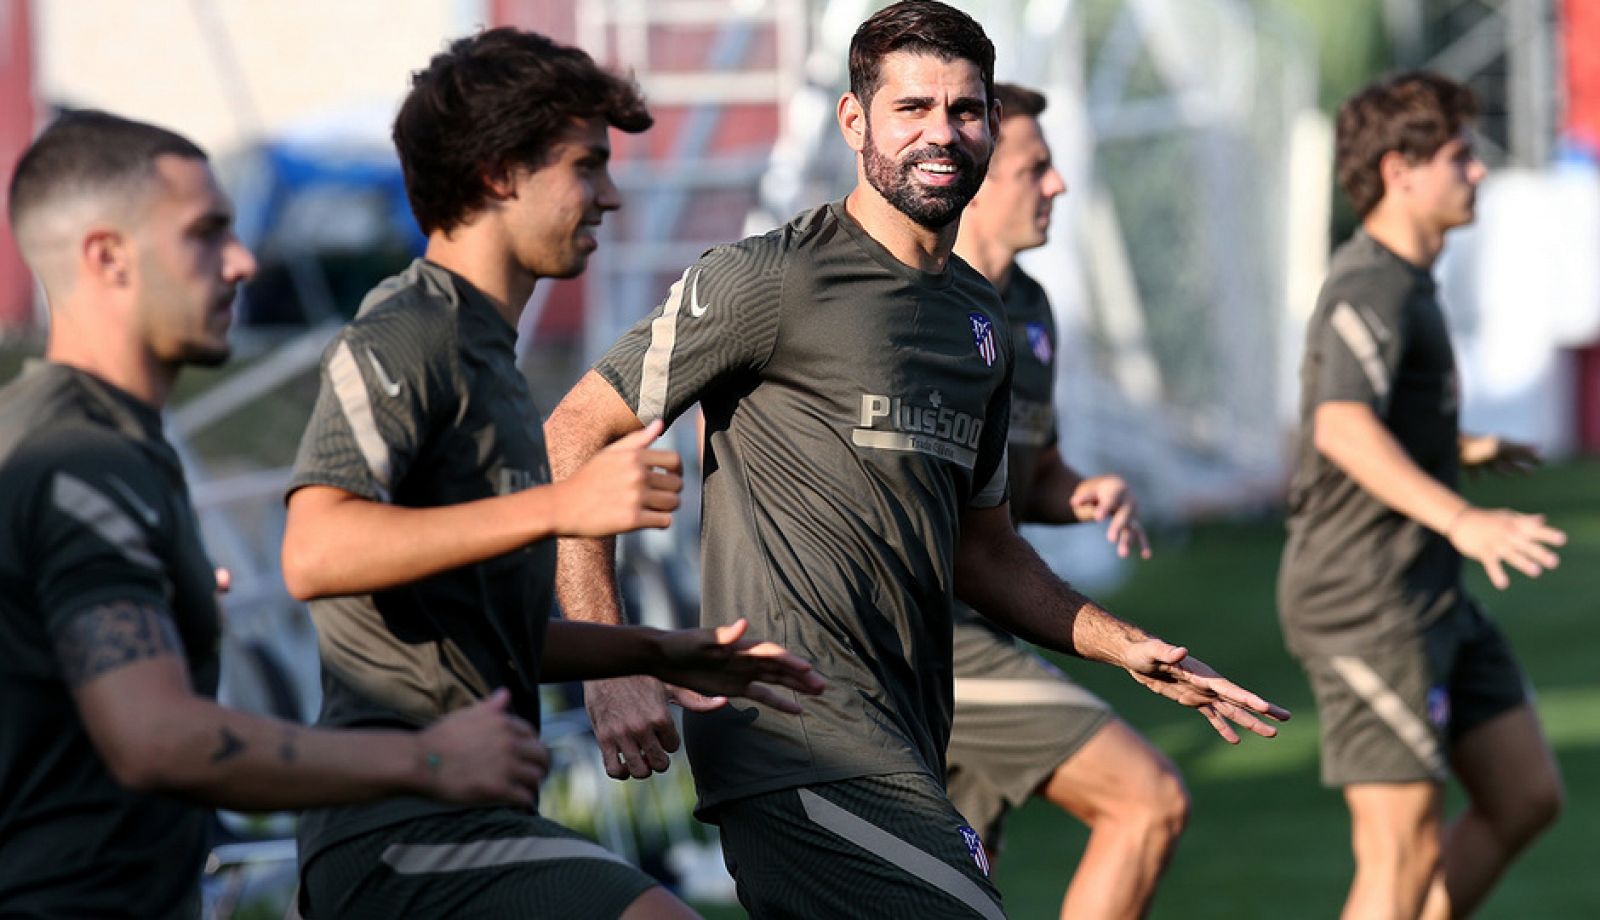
x=1021, y=727
x=111, y=744
x=855, y=380
x=1411, y=679
x=421, y=509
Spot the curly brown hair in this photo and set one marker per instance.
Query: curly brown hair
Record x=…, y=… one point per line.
x=494, y=101
x=1413, y=114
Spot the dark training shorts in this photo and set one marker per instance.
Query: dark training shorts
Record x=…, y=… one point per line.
x=1017, y=719
x=1391, y=715
x=887, y=846
x=485, y=863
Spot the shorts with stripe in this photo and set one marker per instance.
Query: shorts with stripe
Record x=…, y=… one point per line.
x=1017, y=719
x=887, y=846
x=483, y=863
x=1390, y=715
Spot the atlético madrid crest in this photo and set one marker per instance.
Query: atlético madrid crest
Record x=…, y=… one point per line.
x=975, y=848
x=983, y=337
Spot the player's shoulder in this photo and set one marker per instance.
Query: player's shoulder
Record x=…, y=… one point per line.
x=422, y=300
x=1365, y=274
x=50, y=413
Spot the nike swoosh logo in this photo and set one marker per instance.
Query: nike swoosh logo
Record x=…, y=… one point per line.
x=696, y=308
x=148, y=514
x=390, y=386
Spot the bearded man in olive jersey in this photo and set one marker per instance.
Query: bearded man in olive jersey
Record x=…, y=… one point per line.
x=1021, y=727
x=112, y=746
x=855, y=380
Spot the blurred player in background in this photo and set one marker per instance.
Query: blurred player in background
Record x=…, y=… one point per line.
x=112, y=745
x=1021, y=727
x=1412, y=680
x=855, y=381
x=421, y=508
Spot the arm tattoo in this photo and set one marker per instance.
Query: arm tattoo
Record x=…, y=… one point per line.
x=230, y=747
x=112, y=635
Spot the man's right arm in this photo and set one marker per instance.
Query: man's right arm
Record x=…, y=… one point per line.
x=124, y=665
x=632, y=724
x=1350, y=435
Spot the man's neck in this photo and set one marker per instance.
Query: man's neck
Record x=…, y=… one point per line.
x=1404, y=236
x=475, y=253
x=118, y=359
x=910, y=242
x=994, y=260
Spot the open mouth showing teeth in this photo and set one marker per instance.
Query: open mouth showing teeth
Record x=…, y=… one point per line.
x=944, y=169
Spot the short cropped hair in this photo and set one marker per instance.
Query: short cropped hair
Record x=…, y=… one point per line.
x=89, y=152
x=1019, y=100
x=1413, y=114
x=494, y=101
x=919, y=27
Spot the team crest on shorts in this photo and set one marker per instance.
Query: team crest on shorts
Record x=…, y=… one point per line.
x=1439, y=706
x=975, y=847
x=983, y=337
x=1039, y=341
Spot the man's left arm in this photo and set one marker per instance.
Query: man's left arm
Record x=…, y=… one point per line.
x=998, y=573
x=1480, y=452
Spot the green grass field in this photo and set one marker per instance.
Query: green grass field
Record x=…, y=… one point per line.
x=1265, y=839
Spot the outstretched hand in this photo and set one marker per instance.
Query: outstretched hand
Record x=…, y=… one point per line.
x=719, y=663
x=1481, y=452
x=1175, y=674
x=1498, y=537
x=1108, y=498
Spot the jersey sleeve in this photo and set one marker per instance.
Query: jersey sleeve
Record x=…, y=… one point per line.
x=1357, y=340
x=990, y=488
x=718, y=321
x=389, y=381
x=97, y=516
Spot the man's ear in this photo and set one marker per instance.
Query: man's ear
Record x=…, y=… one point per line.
x=106, y=254
x=853, y=121
x=500, y=182
x=1393, y=169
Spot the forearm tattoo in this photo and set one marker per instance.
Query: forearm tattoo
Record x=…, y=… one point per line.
x=107, y=637
x=229, y=746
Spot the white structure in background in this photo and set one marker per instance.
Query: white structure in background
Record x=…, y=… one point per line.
x=231, y=72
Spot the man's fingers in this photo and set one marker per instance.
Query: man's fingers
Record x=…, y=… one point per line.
x=697, y=702
x=1496, y=572
x=642, y=438
x=729, y=634
x=1220, y=724
x=665, y=460
x=778, y=700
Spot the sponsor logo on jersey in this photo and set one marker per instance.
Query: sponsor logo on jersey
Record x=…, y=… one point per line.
x=1439, y=706
x=514, y=480
x=389, y=385
x=975, y=847
x=1039, y=342
x=983, y=337
x=696, y=308
x=930, y=427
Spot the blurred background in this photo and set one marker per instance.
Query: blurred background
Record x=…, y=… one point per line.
x=1196, y=140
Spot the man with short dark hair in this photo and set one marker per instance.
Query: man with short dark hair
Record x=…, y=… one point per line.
x=421, y=509
x=112, y=744
x=1021, y=727
x=1412, y=680
x=855, y=380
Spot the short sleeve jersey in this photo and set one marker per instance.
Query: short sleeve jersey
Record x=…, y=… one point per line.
x=1033, y=409
x=422, y=405
x=1356, y=573
x=94, y=512
x=854, y=408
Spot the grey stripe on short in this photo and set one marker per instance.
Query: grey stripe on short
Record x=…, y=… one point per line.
x=656, y=373
x=424, y=858
x=971, y=691
x=917, y=862
x=1359, y=339
x=96, y=511
x=351, y=390
x=1411, y=730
